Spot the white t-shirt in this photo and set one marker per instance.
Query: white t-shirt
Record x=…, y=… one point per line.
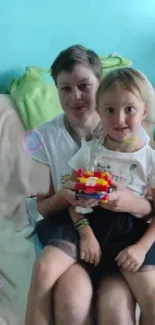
x=51, y=144
x=135, y=170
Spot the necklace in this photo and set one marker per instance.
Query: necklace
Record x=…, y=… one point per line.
x=128, y=141
x=96, y=132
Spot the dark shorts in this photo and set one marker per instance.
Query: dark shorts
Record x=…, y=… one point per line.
x=114, y=231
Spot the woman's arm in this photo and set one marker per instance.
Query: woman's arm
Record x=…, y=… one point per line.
x=52, y=202
x=64, y=198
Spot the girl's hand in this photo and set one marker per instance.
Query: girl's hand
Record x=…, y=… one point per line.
x=68, y=192
x=123, y=200
x=89, y=247
x=120, y=200
x=131, y=258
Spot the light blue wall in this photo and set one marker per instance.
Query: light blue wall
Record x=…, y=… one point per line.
x=32, y=32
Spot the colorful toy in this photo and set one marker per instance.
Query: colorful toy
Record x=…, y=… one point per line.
x=95, y=185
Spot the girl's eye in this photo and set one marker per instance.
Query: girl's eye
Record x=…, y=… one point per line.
x=109, y=110
x=84, y=86
x=130, y=110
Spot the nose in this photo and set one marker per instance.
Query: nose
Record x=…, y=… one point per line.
x=119, y=117
x=76, y=94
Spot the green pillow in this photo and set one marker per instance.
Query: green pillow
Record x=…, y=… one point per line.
x=35, y=96
x=113, y=61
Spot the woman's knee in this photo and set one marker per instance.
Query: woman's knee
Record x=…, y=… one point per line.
x=40, y=273
x=115, y=303
x=147, y=303
x=50, y=266
x=142, y=285
x=73, y=291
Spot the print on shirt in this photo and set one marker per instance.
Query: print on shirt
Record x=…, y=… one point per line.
x=65, y=178
x=122, y=176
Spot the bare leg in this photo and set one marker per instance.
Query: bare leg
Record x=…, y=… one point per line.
x=115, y=303
x=51, y=265
x=73, y=297
x=142, y=285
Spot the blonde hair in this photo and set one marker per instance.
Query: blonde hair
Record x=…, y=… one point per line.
x=135, y=82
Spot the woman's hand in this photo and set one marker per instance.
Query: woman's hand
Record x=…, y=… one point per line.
x=67, y=191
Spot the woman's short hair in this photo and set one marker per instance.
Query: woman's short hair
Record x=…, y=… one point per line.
x=76, y=54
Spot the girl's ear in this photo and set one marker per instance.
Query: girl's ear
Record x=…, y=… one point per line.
x=145, y=113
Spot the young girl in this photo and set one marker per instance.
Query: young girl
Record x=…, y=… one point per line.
x=123, y=240
x=122, y=104
x=108, y=239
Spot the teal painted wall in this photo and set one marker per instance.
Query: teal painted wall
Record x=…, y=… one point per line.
x=32, y=32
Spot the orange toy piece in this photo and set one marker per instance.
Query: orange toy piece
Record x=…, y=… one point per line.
x=93, y=185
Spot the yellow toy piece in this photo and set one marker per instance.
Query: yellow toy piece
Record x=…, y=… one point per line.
x=101, y=181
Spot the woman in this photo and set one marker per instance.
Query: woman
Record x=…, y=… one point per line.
x=77, y=73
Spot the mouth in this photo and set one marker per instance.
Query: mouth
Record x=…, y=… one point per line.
x=121, y=129
x=78, y=105
x=78, y=108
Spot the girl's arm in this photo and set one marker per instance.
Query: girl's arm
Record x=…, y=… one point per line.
x=124, y=200
x=81, y=223
x=76, y=216
x=149, y=237
x=132, y=257
x=89, y=247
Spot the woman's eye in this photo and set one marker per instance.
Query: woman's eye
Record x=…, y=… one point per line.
x=130, y=110
x=84, y=86
x=66, y=88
